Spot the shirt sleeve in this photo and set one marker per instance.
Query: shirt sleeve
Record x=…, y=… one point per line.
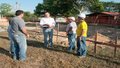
x=53, y=23
x=84, y=27
x=70, y=25
x=67, y=28
x=21, y=24
x=41, y=22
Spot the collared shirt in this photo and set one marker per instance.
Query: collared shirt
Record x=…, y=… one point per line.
x=82, y=26
x=49, y=21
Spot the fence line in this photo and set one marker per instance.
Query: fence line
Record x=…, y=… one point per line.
x=95, y=41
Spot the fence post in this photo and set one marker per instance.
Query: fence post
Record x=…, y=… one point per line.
x=36, y=25
x=96, y=36
x=57, y=32
x=116, y=41
x=116, y=35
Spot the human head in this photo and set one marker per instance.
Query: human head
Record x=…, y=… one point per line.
x=19, y=13
x=47, y=14
x=71, y=19
x=81, y=16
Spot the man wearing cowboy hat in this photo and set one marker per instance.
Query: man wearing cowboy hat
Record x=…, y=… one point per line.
x=71, y=33
x=81, y=35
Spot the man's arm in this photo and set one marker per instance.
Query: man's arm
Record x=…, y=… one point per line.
x=42, y=23
x=70, y=29
x=25, y=31
x=53, y=23
x=82, y=33
x=23, y=28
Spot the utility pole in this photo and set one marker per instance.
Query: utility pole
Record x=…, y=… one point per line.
x=17, y=7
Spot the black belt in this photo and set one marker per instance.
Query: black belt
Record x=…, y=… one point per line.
x=45, y=27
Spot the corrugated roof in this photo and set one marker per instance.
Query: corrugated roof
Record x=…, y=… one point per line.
x=111, y=13
x=106, y=13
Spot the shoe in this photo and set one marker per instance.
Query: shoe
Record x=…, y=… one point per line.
x=81, y=56
x=22, y=60
x=14, y=57
x=69, y=51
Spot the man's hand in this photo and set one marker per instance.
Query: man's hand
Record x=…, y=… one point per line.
x=79, y=38
x=25, y=32
x=66, y=33
x=27, y=35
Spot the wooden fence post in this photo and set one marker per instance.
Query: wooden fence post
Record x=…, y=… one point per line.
x=116, y=38
x=36, y=25
x=57, y=32
x=116, y=41
x=96, y=36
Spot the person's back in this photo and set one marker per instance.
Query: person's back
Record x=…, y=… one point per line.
x=19, y=34
x=17, y=24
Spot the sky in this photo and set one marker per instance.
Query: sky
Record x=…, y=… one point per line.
x=111, y=0
x=26, y=5
x=29, y=5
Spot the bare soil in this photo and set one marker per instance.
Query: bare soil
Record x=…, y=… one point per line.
x=39, y=56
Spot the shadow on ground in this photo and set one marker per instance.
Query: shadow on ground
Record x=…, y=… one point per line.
x=3, y=37
x=5, y=52
x=59, y=48
x=38, y=44
x=105, y=58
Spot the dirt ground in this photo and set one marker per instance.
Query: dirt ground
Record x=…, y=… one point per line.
x=57, y=57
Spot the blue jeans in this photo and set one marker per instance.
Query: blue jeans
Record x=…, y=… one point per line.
x=48, y=37
x=20, y=47
x=81, y=47
x=71, y=40
x=10, y=35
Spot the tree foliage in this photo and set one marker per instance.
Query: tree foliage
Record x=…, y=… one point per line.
x=111, y=6
x=5, y=9
x=68, y=7
x=30, y=17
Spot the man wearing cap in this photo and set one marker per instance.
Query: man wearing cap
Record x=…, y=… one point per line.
x=71, y=33
x=81, y=35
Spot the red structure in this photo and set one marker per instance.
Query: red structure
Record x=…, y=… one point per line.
x=104, y=18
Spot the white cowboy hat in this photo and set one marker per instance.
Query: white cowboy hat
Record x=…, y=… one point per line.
x=72, y=18
x=82, y=15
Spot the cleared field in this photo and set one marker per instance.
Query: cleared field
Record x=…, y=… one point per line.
x=40, y=57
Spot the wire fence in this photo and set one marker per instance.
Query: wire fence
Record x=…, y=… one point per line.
x=99, y=35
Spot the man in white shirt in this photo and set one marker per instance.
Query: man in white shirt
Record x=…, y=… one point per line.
x=47, y=23
x=71, y=32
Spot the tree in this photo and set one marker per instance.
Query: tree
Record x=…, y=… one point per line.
x=68, y=7
x=111, y=6
x=30, y=17
x=89, y=5
x=96, y=6
x=5, y=9
x=40, y=8
x=56, y=7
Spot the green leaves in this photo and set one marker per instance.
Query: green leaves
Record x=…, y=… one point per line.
x=5, y=9
x=68, y=7
x=30, y=17
x=111, y=6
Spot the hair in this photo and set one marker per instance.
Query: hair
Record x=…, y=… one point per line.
x=19, y=12
x=46, y=12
